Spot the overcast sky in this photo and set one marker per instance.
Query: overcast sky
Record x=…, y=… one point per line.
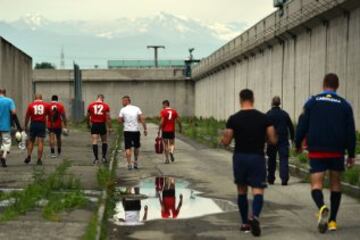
x=249, y=11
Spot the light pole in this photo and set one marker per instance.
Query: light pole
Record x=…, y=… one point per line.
x=156, y=47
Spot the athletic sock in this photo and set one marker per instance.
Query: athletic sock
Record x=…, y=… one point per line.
x=52, y=150
x=318, y=197
x=95, y=151
x=335, y=199
x=243, y=205
x=104, y=149
x=258, y=205
x=59, y=151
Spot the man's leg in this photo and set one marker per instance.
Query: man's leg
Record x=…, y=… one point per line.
x=335, y=196
x=59, y=143
x=172, y=149
x=30, y=147
x=40, y=150
x=136, y=155
x=243, y=204
x=271, y=153
x=104, y=147
x=284, y=162
x=258, y=202
x=317, y=180
x=52, y=143
x=5, y=147
x=128, y=157
x=137, y=145
x=166, y=150
x=94, y=140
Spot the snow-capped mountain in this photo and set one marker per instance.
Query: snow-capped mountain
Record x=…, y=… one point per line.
x=94, y=42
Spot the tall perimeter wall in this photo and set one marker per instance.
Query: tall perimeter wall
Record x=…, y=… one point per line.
x=147, y=88
x=16, y=75
x=286, y=56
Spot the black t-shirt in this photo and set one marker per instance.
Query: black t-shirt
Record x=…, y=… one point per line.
x=249, y=128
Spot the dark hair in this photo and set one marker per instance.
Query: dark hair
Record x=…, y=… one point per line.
x=126, y=96
x=3, y=91
x=54, y=98
x=276, y=101
x=331, y=80
x=246, y=95
x=101, y=96
x=166, y=102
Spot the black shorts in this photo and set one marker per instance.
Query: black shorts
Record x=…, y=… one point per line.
x=37, y=129
x=249, y=170
x=98, y=129
x=132, y=139
x=168, y=193
x=56, y=131
x=168, y=135
x=327, y=164
x=132, y=205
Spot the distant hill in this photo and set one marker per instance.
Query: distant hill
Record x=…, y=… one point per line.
x=93, y=43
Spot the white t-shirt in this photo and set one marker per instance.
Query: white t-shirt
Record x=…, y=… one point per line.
x=130, y=114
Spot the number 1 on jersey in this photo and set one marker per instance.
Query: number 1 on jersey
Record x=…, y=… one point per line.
x=98, y=109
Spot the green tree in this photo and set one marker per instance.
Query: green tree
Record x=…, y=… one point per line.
x=44, y=65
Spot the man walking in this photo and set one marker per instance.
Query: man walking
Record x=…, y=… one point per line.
x=97, y=117
x=284, y=127
x=130, y=116
x=7, y=113
x=37, y=112
x=167, y=126
x=57, y=118
x=249, y=128
x=329, y=127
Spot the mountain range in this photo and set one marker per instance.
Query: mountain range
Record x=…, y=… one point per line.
x=91, y=43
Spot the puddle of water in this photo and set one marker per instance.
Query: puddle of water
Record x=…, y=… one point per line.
x=164, y=198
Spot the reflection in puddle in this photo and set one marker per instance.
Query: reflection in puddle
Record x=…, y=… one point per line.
x=164, y=198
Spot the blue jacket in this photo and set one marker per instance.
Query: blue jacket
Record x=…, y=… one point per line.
x=328, y=124
x=282, y=123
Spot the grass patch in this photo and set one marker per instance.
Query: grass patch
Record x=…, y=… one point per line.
x=48, y=188
x=352, y=176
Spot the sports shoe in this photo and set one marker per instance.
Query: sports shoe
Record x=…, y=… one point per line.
x=167, y=161
x=130, y=167
x=53, y=155
x=96, y=162
x=172, y=157
x=39, y=162
x=332, y=226
x=104, y=160
x=323, y=219
x=284, y=183
x=27, y=160
x=255, y=227
x=245, y=228
x=3, y=163
x=136, y=165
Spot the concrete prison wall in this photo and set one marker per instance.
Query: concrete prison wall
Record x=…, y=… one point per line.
x=16, y=75
x=147, y=88
x=287, y=56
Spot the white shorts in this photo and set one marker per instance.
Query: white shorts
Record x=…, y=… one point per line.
x=5, y=139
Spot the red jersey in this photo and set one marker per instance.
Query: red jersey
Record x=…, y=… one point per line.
x=37, y=111
x=98, y=112
x=56, y=111
x=169, y=115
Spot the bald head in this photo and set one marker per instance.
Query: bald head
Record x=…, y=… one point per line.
x=38, y=96
x=2, y=91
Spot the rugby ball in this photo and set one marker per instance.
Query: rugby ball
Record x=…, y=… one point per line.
x=18, y=136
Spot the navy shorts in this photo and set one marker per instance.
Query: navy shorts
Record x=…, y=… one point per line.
x=327, y=164
x=37, y=130
x=249, y=170
x=56, y=131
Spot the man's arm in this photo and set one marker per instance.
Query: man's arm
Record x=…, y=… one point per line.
x=178, y=120
x=145, y=213
x=63, y=116
x=271, y=135
x=88, y=120
x=351, y=138
x=108, y=120
x=180, y=203
x=27, y=118
x=15, y=120
x=161, y=124
x=291, y=128
x=227, y=136
x=142, y=121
